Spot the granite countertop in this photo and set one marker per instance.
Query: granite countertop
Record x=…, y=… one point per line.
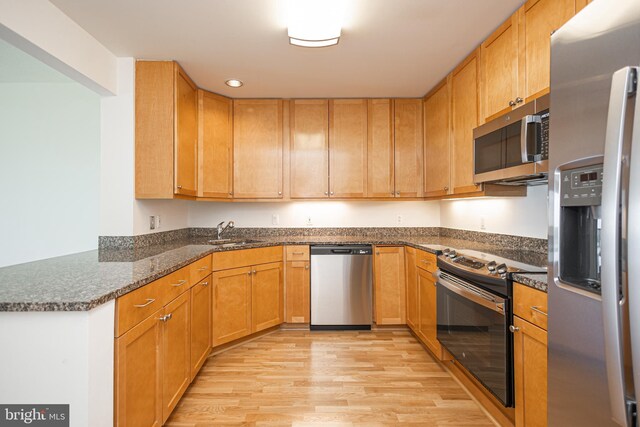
x=534, y=280
x=82, y=281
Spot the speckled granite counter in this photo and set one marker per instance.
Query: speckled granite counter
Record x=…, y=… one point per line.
x=537, y=281
x=86, y=280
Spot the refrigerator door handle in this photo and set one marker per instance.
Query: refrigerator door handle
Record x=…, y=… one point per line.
x=622, y=87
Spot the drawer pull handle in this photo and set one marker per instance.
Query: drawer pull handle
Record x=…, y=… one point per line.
x=205, y=268
x=165, y=317
x=180, y=283
x=149, y=301
x=298, y=253
x=537, y=310
x=205, y=284
x=513, y=329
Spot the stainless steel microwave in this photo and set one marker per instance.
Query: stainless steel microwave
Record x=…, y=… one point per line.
x=514, y=148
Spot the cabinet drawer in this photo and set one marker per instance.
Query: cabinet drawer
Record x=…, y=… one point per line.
x=200, y=269
x=297, y=253
x=136, y=306
x=176, y=283
x=530, y=304
x=245, y=257
x=426, y=261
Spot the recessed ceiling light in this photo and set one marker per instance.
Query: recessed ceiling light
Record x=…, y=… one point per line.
x=315, y=23
x=234, y=83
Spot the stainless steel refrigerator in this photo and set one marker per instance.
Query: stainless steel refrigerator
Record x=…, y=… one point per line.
x=594, y=233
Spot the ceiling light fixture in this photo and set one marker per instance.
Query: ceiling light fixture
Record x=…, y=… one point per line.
x=234, y=83
x=315, y=23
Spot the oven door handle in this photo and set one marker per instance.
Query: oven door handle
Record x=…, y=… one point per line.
x=528, y=122
x=470, y=294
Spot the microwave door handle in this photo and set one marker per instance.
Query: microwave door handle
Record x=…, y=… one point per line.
x=471, y=295
x=527, y=123
x=622, y=87
x=633, y=247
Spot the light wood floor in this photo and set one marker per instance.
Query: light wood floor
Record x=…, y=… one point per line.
x=302, y=378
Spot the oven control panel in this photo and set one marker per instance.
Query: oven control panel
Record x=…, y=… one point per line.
x=581, y=187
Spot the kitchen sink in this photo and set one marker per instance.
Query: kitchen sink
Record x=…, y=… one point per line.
x=231, y=243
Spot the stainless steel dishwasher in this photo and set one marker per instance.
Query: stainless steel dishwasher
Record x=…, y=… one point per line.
x=341, y=282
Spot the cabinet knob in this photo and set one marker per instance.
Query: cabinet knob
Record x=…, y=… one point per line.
x=230, y=193
x=514, y=329
x=179, y=187
x=279, y=193
x=446, y=188
x=306, y=267
x=205, y=284
x=512, y=103
x=165, y=317
x=332, y=193
x=519, y=100
x=253, y=272
x=326, y=193
x=397, y=193
x=249, y=273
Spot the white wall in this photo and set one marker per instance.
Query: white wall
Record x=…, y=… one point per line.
x=520, y=216
x=322, y=214
x=49, y=167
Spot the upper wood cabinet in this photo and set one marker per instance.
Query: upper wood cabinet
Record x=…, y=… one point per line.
x=348, y=147
x=537, y=20
x=380, y=149
x=437, y=141
x=408, y=138
x=215, y=145
x=309, y=148
x=389, y=285
x=464, y=118
x=257, y=149
x=166, y=131
x=499, y=70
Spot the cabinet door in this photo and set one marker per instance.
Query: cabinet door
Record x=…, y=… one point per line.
x=186, y=134
x=138, y=397
x=530, y=374
x=309, y=149
x=499, y=69
x=297, y=292
x=257, y=149
x=200, y=324
x=538, y=19
x=464, y=118
x=408, y=147
x=436, y=150
x=267, y=298
x=427, y=311
x=231, y=308
x=176, y=351
x=390, y=297
x=348, y=147
x=413, y=318
x=215, y=145
x=380, y=173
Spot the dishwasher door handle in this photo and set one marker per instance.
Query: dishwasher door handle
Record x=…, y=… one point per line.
x=340, y=251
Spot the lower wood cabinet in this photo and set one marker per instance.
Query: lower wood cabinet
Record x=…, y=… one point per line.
x=411, y=278
x=389, y=285
x=298, y=281
x=200, y=324
x=138, y=374
x=267, y=296
x=231, y=305
x=427, y=324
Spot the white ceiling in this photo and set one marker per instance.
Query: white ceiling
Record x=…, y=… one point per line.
x=389, y=48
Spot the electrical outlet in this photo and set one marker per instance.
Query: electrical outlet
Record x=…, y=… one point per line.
x=482, y=225
x=152, y=222
x=275, y=219
x=157, y=222
x=399, y=220
x=309, y=222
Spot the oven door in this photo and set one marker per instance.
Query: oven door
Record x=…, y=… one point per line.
x=473, y=326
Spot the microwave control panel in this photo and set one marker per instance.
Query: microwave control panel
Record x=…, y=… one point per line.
x=544, y=135
x=581, y=187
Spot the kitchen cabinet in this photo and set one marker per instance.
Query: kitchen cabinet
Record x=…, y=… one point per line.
x=267, y=296
x=215, y=145
x=537, y=20
x=427, y=325
x=437, y=156
x=138, y=374
x=389, y=285
x=464, y=118
x=297, y=285
x=166, y=131
x=176, y=346
x=200, y=324
x=530, y=373
x=231, y=307
x=411, y=278
x=309, y=148
x=499, y=70
x=257, y=149
x=348, y=148
x=408, y=147
x=380, y=149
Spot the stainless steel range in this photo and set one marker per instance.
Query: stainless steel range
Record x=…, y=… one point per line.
x=474, y=292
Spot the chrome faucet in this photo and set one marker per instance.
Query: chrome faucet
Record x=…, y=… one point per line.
x=221, y=229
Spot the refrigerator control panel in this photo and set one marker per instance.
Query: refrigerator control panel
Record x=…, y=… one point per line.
x=581, y=187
